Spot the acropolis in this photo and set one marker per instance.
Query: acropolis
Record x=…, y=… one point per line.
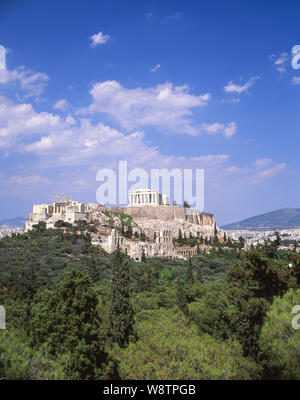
x=150, y=212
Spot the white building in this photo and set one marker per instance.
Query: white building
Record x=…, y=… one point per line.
x=148, y=197
x=65, y=209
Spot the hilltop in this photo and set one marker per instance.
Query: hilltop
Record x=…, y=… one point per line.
x=284, y=218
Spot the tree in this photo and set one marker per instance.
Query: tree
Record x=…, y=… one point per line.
x=189, y=272
x=143, y=236
x=242, y=242
x=67, y=324
x=198, y=249
x=143, y=258
x=225, y=238
x=186, y=204
x=128, y=233
x=184, y=237
x=92, y=269
x=271, y=248
x=170, y=348
x=279, y=339
x=181, y=298
x=199, y=273
x=252, y=286
x=121, y=313
x=215, y=230
x=180, y=240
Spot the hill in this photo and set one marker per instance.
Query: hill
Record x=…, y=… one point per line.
x=13, y=222
x=285, y=218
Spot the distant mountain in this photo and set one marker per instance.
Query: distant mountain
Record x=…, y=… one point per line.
x=12, y=222
x=285, y=218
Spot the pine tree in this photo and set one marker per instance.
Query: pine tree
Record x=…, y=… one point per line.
x=143, y=236
x=129, y=232
x=215, y=230
x=225, y=237
x=184, y=238
x=199, y=274
x=189, y=272
x=182, y=299
x=69, y=323
x=143, y=258
x=92, y=269
x=198, y=249
x=180, y=240
x=121, y=313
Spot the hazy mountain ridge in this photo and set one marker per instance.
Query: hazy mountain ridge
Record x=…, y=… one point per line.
x=13, y=222
x=284, y=218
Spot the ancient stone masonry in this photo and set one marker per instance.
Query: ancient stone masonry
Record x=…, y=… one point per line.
x=150, y=214
x=66, y=210
x=143, y=197
x=162, y=247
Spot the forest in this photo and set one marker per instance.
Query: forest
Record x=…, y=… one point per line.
x=76, y=312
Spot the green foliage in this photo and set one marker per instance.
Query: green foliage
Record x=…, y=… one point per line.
x=68, y=302
x=66, y=322
x=279, y=341
x=170, y=348
x=121, y=312
x=212, y=310
x=182, y=299
x=19, y=361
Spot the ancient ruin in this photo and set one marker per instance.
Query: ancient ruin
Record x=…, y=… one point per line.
x=153, y=221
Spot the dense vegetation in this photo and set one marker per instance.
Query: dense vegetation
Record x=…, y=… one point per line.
x=75, y=312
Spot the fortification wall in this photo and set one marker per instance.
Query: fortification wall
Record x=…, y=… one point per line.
x=169, y=213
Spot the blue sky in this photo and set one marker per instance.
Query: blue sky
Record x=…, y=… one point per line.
x=181, y=84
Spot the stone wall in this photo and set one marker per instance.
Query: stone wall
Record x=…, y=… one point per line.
x=168, y=213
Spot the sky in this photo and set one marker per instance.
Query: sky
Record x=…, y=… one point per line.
x=165, y=84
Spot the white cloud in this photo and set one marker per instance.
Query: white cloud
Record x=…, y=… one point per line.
x=280, y=62
x=165, y=106
x=80, y=145
x=33, y=83
x=269, y=173
x=154, y=69
x=296, y=80
x=262, y=162
x=234, y=88
x=227, y=130
x=18, y=121
x=99, y=38
x=28, y=180
x=62, y=104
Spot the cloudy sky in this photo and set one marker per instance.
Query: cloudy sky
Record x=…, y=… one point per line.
x=166, y=84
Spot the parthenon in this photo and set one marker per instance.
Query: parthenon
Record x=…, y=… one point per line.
x=147, y=197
